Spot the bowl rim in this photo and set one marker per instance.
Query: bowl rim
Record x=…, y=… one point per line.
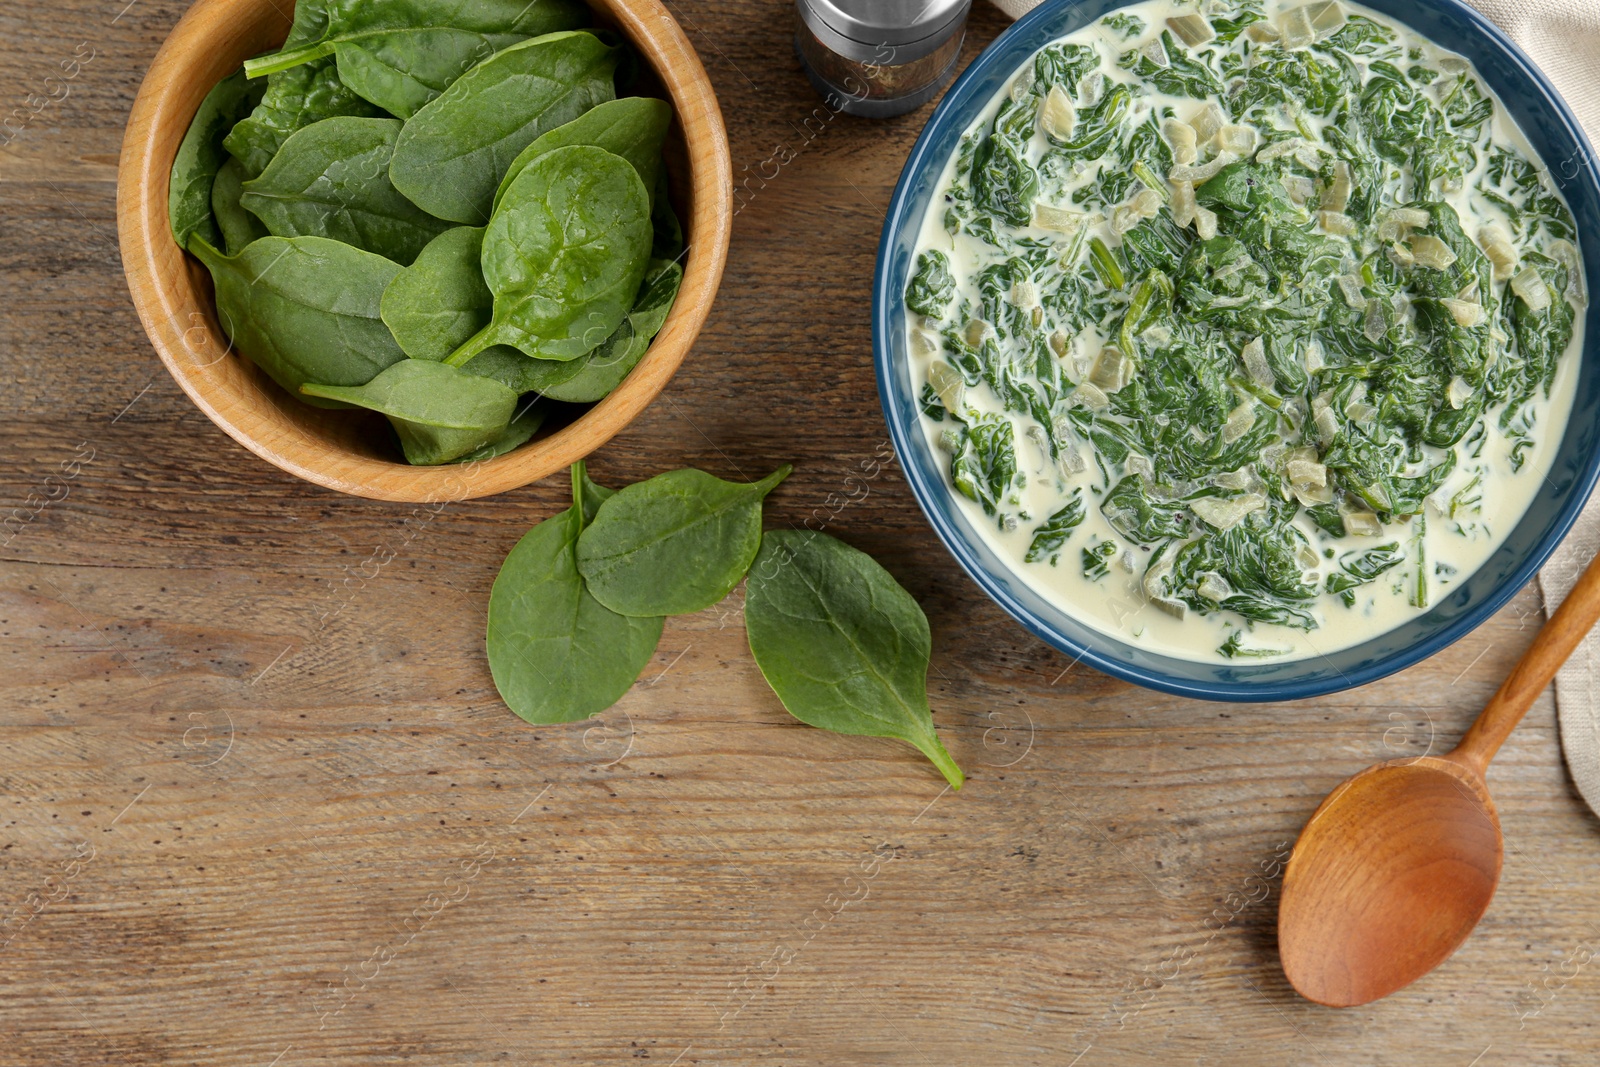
x=166, y=301
x=961, y=105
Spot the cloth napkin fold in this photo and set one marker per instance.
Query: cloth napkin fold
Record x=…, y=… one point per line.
x=1563, y=38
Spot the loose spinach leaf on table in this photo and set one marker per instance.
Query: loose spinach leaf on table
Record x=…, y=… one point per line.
x=453, y=153
x=674, y=544
x=237, y=226
x=439, y=412
x=556, y=653
x=632, y=127
x=201, y=155
x=590, y=493
x=591, y=377
x=305, y=309
x=843, y=646
x=294, y=99
x=439, y=302
x=331, y=179
x=401, y=54
x=564, y=255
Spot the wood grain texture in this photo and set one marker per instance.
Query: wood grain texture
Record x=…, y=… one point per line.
x=279, y=751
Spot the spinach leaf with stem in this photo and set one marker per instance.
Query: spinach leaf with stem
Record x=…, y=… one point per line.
x=293, y=100
x=305, y=309
x=452, y=154
x=556, y=653
x=236, y=225
x=843, y=646
x=201, y=156
x=440, y=413
x=564, y=255
x=331, y=179
x=401, y=54
x=674, y=544
x=633, y=127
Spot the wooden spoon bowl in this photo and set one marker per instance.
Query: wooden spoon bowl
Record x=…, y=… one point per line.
x=1390, y=875
x=344, y=450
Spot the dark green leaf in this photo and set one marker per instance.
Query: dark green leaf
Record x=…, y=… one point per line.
x=238, y=226
x=331, y=179
x=843, y=646
x=201, y=155
x=305, y=309
x=932, y=287
x=1051, y=536
x=453, y=153
x=674, y=544
x=294, y=99
x=441, y=413
x=633, y=128
x=435, y=305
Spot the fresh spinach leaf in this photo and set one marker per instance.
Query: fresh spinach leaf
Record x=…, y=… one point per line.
x=590, y=493
x=556, y=653
x=293, y=100
x=674, y=544
x=437, y=303
x=843, y=646
x=440, y=413
x=523, y=426
x=932, y=287
x=201, y=155
x=564, y=255
x=401, y=54
x=237, y=226
x=592, y=376
x=331, y=179
x=633, y=127
x=305, y=309
x=453, y=153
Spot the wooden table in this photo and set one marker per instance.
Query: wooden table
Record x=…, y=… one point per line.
x=264, y=807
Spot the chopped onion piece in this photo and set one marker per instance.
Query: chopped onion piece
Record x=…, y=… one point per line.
x=1091, y=88
x=1071, y=461
x=1496, y=244
x=976, y=331
x=1255, y=363
x=1156, y=52
x=1059, y=219
x=1336, y=197
x=1467, y=313
x=1296, y=28
x=1377, y=324
x=1112, y=370
x=1140, y=464
x=1183, y=204
x=1090, y=396
x=1262, y=32
x=1326, y=17
x=1192, y=29
x=1279, y=149
x=1207, y=121
x=1214, y=587
x=948, y=385
x=1060, y=343
x=1205, y=223
x=1227, y=512
x=1327, y=424
x=1202, y=173
x=1350, y=286
x=1338, y=223
x=1306, y=474
x=1313, y=357
x=1362, y=524
x=1023, y=293
x=1529, y=284
x=950, y=440
x=1058, y=118
x=1401, y=256
x=1431, y=252
x=1567, y=255
x=1181, y=136
x=1240, y=419
x=1412, y=217
x=1156, y=336
x=1240, y=140
x=1459, y=392
x=924, y=342
x=1299, y=188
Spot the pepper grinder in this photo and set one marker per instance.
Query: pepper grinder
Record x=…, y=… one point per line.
x=878, y=58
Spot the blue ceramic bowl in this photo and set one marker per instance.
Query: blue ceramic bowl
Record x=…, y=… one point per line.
x=1554, y=134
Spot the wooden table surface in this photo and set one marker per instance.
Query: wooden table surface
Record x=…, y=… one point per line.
x=263, y=806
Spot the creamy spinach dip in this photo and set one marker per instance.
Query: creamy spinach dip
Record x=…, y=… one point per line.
x=1246, y=329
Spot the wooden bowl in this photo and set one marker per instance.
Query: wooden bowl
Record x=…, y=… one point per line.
x=351, y=451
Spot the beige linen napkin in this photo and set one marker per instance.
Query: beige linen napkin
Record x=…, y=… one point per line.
x=1563, y=38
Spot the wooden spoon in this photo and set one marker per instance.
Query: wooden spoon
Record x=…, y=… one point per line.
x=1400, y=862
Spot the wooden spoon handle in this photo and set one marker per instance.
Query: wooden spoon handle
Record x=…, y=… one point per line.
x=1556, y=640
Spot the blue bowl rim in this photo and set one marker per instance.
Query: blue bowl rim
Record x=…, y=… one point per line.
x=955, y=107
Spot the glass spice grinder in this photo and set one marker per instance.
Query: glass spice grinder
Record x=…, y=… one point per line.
x=878, y=58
